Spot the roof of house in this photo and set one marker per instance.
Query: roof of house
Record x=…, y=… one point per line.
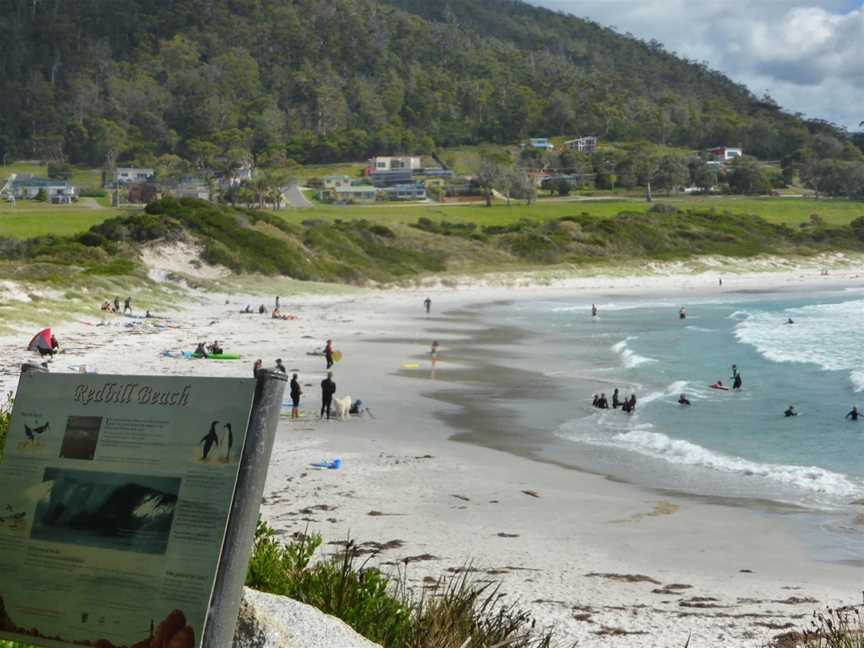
x=135, y=170
x=25, y=181
x=355, y=189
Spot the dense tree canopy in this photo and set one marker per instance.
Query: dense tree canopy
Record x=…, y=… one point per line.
x=225, y=81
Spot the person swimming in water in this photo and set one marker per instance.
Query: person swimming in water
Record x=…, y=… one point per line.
x=603, y=403
x=854, y=414
x=595, y=401
x=790, y=321
x=682, y=313
x=683, y=400
x=790, y=412
x=616, y=401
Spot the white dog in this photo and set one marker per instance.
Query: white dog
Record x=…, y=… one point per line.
x=342, y=406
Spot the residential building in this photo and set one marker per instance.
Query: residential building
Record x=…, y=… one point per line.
x=725, y=153
x=334, y=181
x=391, y=178
x=582, y=144
x=191, y=187
x=128, y=175
x=141, y=193
x=541, y=143
x=414, y=191
x=354, y=193
x=56, y=191
x=236, y=177
x=394, y=163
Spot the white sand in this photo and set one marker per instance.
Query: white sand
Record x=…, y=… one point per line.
x=450, y=504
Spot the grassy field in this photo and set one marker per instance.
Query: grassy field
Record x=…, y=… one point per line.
x=792, y=211
x=29, y=218
x=82, y=178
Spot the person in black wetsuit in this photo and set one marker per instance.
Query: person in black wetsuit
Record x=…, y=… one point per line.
x=616, y=401
x=200, y=351
x=257, y=367
x=428, y=304
x=682, y=313
x=295, y=397
x=596, y=401
x=790, y=412
x=116, y=304
x=854, y=414
x=328, y=388
x=603, y=403
x=683, y=400
x=594, y=310
x=280, y=366
x=127, y=305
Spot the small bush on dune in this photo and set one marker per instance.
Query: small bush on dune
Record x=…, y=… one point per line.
x=384, y=608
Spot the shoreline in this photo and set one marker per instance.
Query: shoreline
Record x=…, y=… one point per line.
x=591, y=555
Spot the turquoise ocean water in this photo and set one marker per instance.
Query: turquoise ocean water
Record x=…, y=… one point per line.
x=726, y=444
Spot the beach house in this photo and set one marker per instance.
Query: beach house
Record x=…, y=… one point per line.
x=394, y=163
x=725, y=153
x=55, y=191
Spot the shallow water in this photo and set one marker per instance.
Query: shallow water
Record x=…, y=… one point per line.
x=729, y=444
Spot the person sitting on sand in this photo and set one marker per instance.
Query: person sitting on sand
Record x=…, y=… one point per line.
x=147, y=315
x=683, y=400
x=200, y=351
x=603, y=403
x=216, y=348
x=853, y=414
x=790, y=412
x=261, y=309
x=356, y=408
x=106, y=306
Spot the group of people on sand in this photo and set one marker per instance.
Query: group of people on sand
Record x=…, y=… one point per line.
x=114, y=307
x=204, y=350
x=276, y=313
x=627, y=405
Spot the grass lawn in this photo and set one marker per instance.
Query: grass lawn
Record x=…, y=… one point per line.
x=792, y=211
x=29, y=218
x=81, y=177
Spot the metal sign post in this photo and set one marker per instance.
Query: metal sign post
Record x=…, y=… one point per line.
x=240, y=534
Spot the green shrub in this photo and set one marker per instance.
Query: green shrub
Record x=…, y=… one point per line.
x=5, y=419
x=383, y=608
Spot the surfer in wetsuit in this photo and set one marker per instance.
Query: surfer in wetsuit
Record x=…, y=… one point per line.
x=790, y=412
x=683, y=400
x=200, y=351
x=127, y=305
x=209, y=440
x=616, y=402
x=116, y=304
x=280, y=366
x=682, y=313
x=594, y=310
x=596, y=401
x=295, y=397
x=853, y=414
x=428, y=304
x=603, y=402
x=328, y=388
x=790, y=321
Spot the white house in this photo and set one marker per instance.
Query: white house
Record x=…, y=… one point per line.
x=725, y=153
x=395, y=163
x=56, y=191
x=131, y=175
x=334, y=181
x=582, y=144
x=541, y=143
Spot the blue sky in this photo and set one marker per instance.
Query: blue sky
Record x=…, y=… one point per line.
x=807, y=54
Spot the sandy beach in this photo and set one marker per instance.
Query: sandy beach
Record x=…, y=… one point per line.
x=603, y=562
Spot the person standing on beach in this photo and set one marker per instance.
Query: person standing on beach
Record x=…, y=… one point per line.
x=434, y=353
x=328, y=388
x=721, y=281
x=328, y=353
x=116, y=304
x=295, y=397
x=428, y=304
x=127, y=305
x=277, y=302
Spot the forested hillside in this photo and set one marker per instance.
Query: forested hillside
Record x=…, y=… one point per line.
x=314, y=81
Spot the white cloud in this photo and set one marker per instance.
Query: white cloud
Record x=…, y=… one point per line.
x=807, y=54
